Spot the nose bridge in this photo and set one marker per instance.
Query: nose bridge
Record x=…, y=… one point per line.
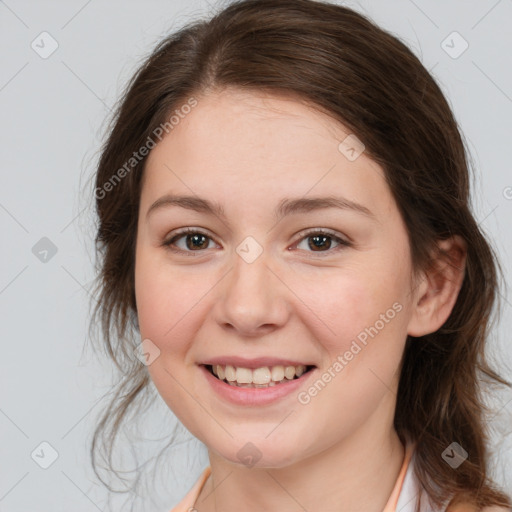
x=251, y=297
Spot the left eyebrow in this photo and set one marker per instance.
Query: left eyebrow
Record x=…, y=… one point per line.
x=305, y=205
x=284, y=208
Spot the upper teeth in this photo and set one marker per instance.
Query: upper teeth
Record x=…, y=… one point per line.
x=261, y=375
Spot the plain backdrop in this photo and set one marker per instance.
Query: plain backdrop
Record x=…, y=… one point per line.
x=63, y=66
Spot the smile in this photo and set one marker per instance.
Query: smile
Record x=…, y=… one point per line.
x=263, y=377
x=251, y=394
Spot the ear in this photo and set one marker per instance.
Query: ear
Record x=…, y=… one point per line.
x=437, y=291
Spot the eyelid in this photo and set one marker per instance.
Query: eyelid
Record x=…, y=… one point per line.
x=324, y=231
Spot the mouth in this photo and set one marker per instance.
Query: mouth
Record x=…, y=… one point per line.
x=263, y=377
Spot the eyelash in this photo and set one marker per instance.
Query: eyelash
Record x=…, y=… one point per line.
x=304, y=235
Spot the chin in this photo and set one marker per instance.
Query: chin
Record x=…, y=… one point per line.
x=258, y=453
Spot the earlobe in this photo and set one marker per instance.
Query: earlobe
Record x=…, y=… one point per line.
x=439, y=287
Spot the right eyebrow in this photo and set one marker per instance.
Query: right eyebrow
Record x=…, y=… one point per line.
x=195, y=203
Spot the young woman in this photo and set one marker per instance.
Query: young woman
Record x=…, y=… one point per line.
x=284, y=221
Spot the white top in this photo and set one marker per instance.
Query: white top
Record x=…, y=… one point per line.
x=411, y=491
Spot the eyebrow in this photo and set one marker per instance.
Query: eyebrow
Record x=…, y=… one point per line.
x=284, y=208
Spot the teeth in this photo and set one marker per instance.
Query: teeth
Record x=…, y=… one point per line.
x=260, y=377
x=300, y=370
x=230, y=373
x=289, y=372
x=277, y=373
x=243, y=376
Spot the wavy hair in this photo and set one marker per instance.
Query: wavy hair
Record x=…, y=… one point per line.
x=347, y=67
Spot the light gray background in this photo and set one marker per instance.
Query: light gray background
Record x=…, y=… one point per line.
x=53, y=113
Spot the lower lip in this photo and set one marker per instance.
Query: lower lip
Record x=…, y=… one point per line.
x=254, y=396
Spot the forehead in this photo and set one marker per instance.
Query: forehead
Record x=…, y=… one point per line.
x=235, y=120
x=237, y=143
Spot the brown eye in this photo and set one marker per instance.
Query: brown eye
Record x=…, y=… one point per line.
x=197, y=241
x=194, y=241
x=321, y=241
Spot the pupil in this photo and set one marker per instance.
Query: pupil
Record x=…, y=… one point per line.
x=194, y=239
x=317, y=245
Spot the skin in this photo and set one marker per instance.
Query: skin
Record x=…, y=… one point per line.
x=292, y=301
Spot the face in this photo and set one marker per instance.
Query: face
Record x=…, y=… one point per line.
x=274, y=274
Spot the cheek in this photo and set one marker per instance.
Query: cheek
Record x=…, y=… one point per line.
x=362, y=302
x=362, y=333
x=160, y=300
x=167, y=317
x=153, y=299
x=169, y=301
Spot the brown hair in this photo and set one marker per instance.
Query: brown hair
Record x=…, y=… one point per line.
x=357, y=73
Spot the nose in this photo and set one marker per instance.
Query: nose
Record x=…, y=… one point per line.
x=252, y=300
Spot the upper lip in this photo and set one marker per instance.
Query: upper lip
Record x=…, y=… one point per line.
x=257, y=362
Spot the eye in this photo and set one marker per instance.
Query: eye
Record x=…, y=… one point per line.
x=320, y=240
x=194, y=241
